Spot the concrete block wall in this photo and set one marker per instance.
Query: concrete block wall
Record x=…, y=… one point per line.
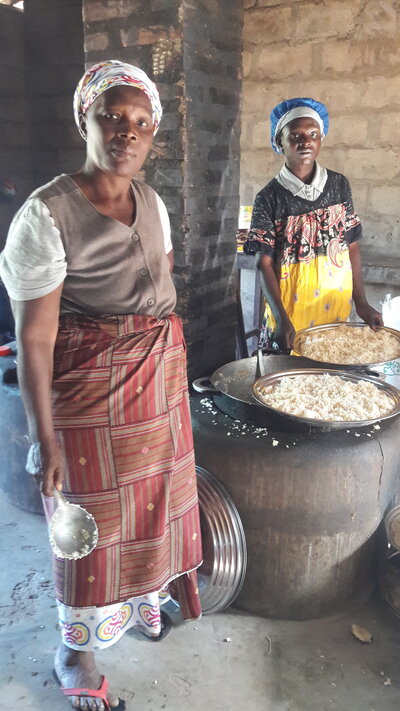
x=345, y=53
x=54, y=65
x=192, y=50
x=15, y=157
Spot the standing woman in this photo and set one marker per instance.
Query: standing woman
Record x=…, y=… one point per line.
x=306, y=233
x=102, y=370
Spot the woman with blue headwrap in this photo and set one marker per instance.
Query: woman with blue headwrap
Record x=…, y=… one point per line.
x=102, y=370
x=306, y=233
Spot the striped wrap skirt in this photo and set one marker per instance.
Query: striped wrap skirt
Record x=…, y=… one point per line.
x=122, y=419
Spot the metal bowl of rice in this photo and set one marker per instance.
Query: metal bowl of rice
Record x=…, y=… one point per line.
x=351, y=345
x=327, y=399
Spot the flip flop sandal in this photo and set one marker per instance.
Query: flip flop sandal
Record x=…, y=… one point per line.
x=100, y=693
x=166, y=627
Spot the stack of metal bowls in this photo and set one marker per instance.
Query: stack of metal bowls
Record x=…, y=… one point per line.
x=222, y=573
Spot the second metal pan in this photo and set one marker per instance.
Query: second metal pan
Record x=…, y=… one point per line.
x=328, y=425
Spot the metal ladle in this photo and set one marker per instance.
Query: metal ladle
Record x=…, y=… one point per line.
x=73, y=531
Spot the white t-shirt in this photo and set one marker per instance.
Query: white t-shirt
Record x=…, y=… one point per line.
x=33, y=262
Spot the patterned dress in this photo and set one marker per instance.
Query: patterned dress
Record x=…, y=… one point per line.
x=309, y=243
x=120, y=409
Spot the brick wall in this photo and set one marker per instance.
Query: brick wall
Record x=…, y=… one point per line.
x=15, y=158
x=192, y=49
x=345, y=53
x=54, y=64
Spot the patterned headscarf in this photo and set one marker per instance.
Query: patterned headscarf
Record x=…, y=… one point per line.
x=103, y=76
x=292, y=109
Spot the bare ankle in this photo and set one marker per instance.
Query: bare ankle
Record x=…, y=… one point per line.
x=72, y=657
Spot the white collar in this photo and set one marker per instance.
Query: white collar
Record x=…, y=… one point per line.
x=296, y=186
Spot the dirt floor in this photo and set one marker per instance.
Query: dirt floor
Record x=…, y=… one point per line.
x=224, y=662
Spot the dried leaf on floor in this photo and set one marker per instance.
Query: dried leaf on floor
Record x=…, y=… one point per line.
x=361, y=634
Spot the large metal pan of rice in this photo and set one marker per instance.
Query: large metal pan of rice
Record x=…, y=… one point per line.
x=328, y=399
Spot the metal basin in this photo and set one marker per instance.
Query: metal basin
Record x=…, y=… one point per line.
x=328, y=425
x=231, y=389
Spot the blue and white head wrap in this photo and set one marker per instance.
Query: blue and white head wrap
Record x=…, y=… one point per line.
x=292, y=109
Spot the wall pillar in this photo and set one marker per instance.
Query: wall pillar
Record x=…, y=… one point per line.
x=192, y=50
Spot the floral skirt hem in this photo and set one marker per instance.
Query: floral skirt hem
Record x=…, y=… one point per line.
x=92, y=629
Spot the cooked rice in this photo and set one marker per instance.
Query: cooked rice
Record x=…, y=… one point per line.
x=347, y=344
x=327, y=397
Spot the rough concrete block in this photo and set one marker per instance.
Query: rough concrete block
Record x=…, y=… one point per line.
x=97, y=41
x=257, y=97
x=385, y=200
x=268, y=3
x=222, y=96
x=208, y=63
x=256, y=135
x=270, y=93
x=373, y=92
x=138, y=36
x=266, y=26
x=169, y=92
x=247, y=192
x=360, y=191
x=174, y=204
x=380, y=91
x=339, y=56
x=379, y=232
x=328, y=18
x=170, y=122
x=375, y=164
x=343, y=95
x=379, y=247
x=283, y=62
x=165, y=176
x=349, y=129
x=377, y=17
x=157, y=5
x=387, y=129
x=94, y=11
x=257, y=169
x=335, y=56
